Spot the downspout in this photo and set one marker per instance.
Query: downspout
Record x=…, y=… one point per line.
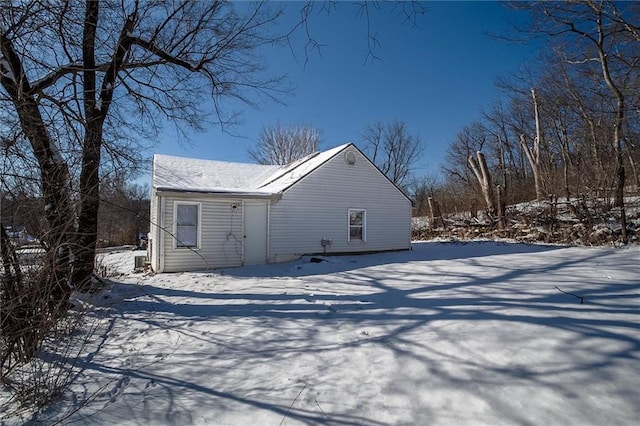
x=244, y=237
x=268, y=231
x=161, y=233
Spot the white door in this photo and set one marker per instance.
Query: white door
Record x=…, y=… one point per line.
x=255, y=233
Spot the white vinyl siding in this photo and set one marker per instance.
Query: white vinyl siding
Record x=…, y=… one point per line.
x=316, y=207
x=220, y=235
x=310, y=217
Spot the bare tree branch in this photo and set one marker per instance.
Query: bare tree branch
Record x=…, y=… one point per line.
x=283, y=144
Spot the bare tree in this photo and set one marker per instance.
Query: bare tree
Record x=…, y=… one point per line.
x=469, y=139
x=77, y=78
x=483, y=176
x=82, y=83
x=78, y=82
x=393, y=150
x=282, y=144
x=602, y=36
x=533, y=154
x=419, y=190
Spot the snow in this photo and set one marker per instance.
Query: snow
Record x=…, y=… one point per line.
x=448, y=333
x=189, y=174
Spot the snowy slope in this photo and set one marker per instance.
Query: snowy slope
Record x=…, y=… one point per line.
x=450, y=333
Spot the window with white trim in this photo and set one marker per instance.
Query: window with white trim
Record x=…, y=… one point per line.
x=187, y=225
x=357, y=225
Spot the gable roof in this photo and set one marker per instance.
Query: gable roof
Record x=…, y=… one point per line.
x=182, y=174
x=294, y=172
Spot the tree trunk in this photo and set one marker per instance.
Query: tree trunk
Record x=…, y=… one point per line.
x=87, y=235
x=634, y=168
x=432, y=213
x=502, y=209
x=55, y=178
x=481, y=171
x=566, y=162
x=436, y=213
x=503, y=166
x=533, y=155
x=96, y=106
x=617, y=132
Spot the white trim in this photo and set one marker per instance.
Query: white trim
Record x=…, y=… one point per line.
x=161, y=232
x=175, y=225
x=268, y=230
x=242, y=234
x=364, y=225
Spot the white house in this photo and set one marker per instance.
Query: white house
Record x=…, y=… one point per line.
x=211, y=214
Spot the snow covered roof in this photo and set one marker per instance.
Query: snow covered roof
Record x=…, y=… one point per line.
x=190, y=174
x=194, y=175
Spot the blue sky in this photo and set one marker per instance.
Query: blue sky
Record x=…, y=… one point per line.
x=437, y=77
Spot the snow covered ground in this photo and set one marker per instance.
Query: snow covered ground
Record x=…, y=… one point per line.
x=447, y=334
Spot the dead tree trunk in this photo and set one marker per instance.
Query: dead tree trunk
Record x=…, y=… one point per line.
x=481, y=171
x=533, y=155
x=502, y=208
x=432, y=213
x=436, y=214
x=503, y=166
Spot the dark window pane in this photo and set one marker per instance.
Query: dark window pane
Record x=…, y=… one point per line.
x=355, y=233
x=356, y=217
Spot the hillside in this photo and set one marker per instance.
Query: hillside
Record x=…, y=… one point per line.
x=579, y=223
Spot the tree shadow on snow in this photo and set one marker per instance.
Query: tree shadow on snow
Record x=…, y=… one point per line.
x=420, y=251
x=388, y=307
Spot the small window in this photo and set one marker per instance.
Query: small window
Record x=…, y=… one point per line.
x=187, y=220
x=357, y=225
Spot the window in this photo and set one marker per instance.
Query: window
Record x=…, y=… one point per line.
x=187, y=219
x=357, y=225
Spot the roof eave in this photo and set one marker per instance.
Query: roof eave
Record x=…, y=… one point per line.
x=160, y=191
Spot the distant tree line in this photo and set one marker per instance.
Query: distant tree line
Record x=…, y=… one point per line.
x=567, y=127
x=123, y=212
